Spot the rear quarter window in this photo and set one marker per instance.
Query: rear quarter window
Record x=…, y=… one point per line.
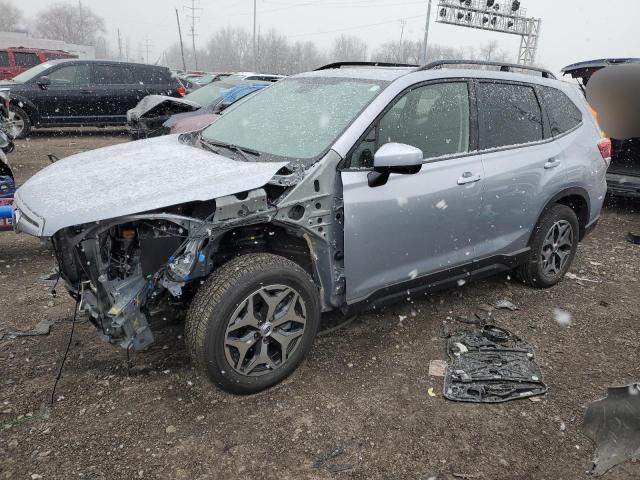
x=563, y=114
x=509, y=115
x=152, y=76
x=4, y=58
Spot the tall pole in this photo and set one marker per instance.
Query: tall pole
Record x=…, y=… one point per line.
x=426, y=33
x=193, y=32
x=119, y=46
x=184, y=65
x=400, y=49
x=255, y=51
x=147, y=45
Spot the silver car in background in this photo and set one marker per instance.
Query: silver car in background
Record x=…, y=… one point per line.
x=339, y=189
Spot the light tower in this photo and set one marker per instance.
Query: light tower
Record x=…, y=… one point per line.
x=496, y=16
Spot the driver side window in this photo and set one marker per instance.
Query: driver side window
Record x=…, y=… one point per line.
x=433, y=118
x=70, y=75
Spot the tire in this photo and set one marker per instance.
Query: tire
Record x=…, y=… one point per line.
x=21, y=118
x=551, y=261
x=220, y=319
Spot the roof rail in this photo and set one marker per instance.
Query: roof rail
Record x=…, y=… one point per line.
x=504, y=67
x=363, y=64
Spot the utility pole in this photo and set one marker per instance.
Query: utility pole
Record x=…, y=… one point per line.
x=119, y=46
x=193, y=17
x=184, y=65
x=426, y=33
x=255, y=50
x=147, y=45
x=400, y=49
x=81, y=26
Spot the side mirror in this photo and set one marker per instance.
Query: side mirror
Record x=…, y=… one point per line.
x=394, y=158
x=44, y=82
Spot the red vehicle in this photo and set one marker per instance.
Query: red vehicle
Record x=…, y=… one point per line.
x=15, y=60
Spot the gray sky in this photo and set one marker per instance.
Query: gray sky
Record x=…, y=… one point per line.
x=572, y=30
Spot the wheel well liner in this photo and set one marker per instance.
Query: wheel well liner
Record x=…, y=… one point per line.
x=269, y=238
x=578, y=200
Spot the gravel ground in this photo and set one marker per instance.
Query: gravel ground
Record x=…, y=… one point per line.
x=359, y=400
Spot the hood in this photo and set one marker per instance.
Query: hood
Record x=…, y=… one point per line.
x=130, y=178
x=150, y=102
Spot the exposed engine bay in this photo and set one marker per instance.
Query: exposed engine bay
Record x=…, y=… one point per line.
x=131, y=270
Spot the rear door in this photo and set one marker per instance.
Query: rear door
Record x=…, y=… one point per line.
x=114, y=91
x=398, y=234
x=521, y=165
x=65, y=100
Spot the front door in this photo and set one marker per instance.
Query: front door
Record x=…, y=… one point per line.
x=65, y=99
x=399, y=234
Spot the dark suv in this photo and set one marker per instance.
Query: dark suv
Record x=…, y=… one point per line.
x=62, y=93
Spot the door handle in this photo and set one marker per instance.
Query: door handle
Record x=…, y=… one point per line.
x=468, y=177
x=552, y=163
x=85, y=92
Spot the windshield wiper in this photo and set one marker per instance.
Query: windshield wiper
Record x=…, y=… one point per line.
x=234, y=148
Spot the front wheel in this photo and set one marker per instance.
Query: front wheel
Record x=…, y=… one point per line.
x=553, y=248
x=19, y=123
x=252, y=322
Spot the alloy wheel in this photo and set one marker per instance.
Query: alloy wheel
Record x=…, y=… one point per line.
x=15, y=124
x=265, y=330
x=557, y=248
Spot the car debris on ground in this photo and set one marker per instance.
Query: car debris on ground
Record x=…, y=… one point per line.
x=613, y=424
x=491, y=365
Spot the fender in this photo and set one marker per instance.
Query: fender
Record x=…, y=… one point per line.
x=568, y=192
x=27, y=105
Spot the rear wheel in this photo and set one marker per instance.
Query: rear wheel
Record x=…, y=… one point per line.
x=19, y=122
x=553, y=248
x=252, y=322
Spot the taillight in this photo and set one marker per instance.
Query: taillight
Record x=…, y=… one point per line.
x=181, y=90
x=604, y=146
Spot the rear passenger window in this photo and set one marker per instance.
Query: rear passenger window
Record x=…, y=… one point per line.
x=509, y=115
x=4, y=59
x=563, y=113
x=111, y=75
x=26, y=59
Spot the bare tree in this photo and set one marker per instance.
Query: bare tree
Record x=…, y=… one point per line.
x=10, y=17
x=348, y=48
x=228, y=49
x=70, y=23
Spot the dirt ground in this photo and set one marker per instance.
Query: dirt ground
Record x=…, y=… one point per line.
x=359, y=398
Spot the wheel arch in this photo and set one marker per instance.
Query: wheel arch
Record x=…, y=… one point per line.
x=28, y=106
x=577, y=199
x=289, y=241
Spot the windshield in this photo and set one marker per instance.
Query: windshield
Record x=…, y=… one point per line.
x=208, y=94
x=297, y=118
x=32, y=72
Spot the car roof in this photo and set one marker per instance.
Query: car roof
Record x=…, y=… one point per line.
x=390, y=74
x=111, y=62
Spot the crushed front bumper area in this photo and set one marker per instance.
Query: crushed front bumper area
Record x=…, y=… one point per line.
x=122, y=271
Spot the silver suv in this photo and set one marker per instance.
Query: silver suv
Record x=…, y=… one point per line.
x=338, y=189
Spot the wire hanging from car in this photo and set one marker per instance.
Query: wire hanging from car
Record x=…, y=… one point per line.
x=66, y=351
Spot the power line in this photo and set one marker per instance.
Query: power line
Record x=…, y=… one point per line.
x=356, y=27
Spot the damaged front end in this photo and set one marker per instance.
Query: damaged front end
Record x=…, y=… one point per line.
x=126, y=272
